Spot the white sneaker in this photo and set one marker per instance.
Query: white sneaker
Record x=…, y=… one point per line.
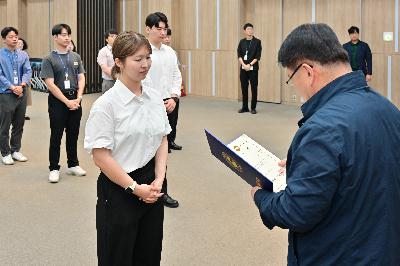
x=19, y=157
x=54, y=176
x=76, y=170
x=8, y=160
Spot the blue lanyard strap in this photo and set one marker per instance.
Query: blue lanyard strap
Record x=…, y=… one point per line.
x=64, y=66
x=13, y=56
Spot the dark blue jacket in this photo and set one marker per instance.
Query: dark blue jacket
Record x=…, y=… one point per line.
x=342, y=200
x=364, y=56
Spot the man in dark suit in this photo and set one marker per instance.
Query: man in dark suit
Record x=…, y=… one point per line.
x=359, y=53
x=249, y=53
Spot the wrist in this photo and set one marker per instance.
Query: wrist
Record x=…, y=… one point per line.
x=131, y=188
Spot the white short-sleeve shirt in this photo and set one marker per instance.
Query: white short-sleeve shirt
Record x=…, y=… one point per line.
x=105, y=56
x=131, y=126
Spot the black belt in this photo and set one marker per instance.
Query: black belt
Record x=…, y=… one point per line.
x=69, y=92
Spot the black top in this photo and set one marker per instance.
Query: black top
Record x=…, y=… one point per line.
x=253, y=48
x=360, y=56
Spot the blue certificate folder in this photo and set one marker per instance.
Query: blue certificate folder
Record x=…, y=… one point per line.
x=238, y=165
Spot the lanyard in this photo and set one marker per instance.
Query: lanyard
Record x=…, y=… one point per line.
x=13, y=56
x=64, y=66
x=248, y=46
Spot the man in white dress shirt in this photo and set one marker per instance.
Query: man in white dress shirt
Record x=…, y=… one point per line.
x=166, y=78
x=105, y=60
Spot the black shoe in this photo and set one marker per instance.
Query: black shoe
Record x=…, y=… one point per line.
x=27, y=118
x=168, y=201
x=253, y=111
x=175, y=146
x=169, y=150
x=243, y=110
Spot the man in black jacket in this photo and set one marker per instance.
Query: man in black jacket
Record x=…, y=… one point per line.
x=360, y=56
x=249, y=53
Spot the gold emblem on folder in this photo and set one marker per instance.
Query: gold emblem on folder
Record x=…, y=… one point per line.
x=232, y=162
x=258, y=182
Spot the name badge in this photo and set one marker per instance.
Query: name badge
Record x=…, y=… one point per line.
x=245, y=57
x=67, y=84
x=75, y=63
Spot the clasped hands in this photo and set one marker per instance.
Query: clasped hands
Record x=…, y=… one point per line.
x=247, y=67
x=73, y=104
x=18, y=90
x=149, y=193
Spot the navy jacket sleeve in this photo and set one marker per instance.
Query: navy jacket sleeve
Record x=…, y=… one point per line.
x=312, y=179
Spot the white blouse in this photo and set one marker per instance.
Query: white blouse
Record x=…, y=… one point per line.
x=131, y=126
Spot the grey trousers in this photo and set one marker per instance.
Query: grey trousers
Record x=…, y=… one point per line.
x=12, y=112
x=106, y=85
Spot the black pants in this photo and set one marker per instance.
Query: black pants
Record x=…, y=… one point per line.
x=173, y=121
x=12, y=112
x=61, y=118
x=129, y=231
x=245, y=77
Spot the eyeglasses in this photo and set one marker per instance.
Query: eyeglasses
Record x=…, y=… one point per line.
x=294, y=72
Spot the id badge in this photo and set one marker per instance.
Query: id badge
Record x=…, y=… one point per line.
x=15, y=78
x=67, y=84
x=245, y=57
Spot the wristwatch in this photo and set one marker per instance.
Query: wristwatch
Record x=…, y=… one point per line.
x=131, y=188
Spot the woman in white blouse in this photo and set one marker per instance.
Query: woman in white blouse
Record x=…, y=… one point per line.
x=126, y=134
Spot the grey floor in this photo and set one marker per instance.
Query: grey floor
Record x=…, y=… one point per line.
x=216, y=223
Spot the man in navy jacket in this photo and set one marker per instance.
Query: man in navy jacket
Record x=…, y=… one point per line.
x=343, y=172
x=359, y=53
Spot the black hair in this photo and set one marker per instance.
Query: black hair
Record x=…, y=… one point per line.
x=245, y=26
x=109, y=32
x=57, y=29
x=169, y=32
x=154, y=19
x=353, y=29
x=7, y=30
x=315, y=42
x=73, y=49
x=24, y=44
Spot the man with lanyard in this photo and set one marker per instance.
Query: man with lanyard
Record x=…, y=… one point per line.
x=105, y=60
x=64, y=76
x=15, y=74
x=360, y=55
x=249, y=53
x=165, y=77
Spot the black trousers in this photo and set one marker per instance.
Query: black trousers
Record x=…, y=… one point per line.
x=61, y=118
x=12, y=113
x=173, y=121
x=129, y=231
x=245, y=77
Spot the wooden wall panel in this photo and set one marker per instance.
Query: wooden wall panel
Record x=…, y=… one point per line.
x=339, y=18
x=295, y=14
x=3, y=17
x=268, y=24
x=396, y=80
x=226, y=74
x=201, y=73
x=38, y=32
x=380, y=74
x=187, y=28
x=131, y=16
x=375, y=21
x=207, y=24
x=230, y=25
